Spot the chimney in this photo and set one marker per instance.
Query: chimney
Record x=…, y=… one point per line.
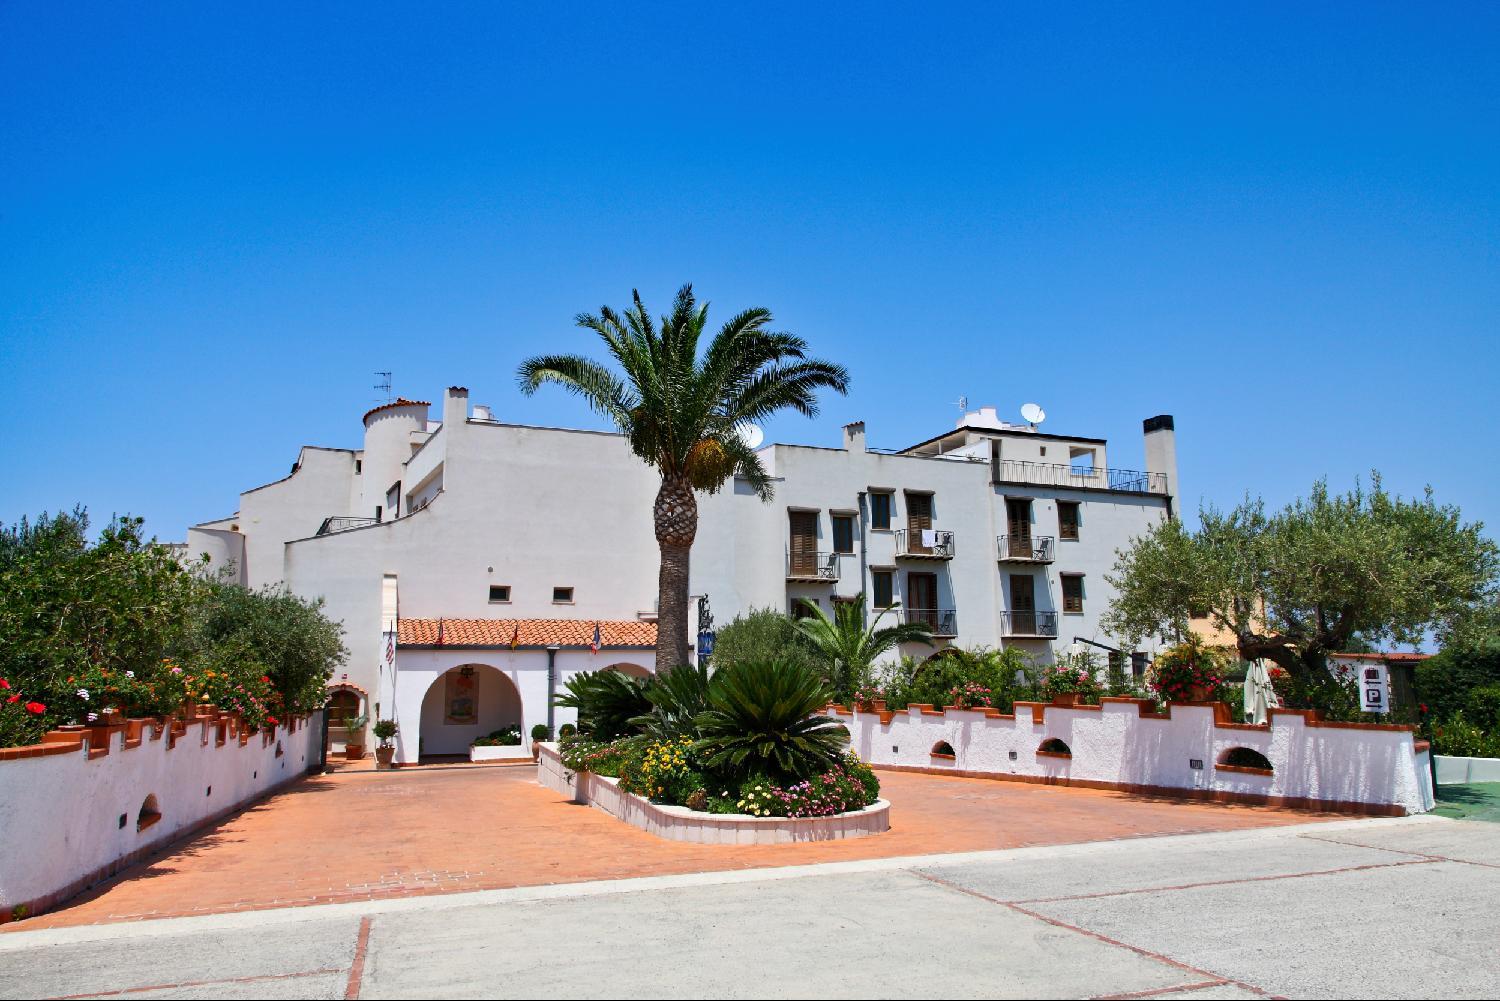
x=1161, y=457
x=455, y=408
x=854, y=437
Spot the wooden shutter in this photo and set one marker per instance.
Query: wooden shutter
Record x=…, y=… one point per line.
x=1072, y=589
x=918, y=517
x=804, y=544
x=1023, y=603
x=1067, y=520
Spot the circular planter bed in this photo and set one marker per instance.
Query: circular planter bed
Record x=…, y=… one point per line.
x=678, y=823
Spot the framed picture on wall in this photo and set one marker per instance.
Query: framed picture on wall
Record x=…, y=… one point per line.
x=461, y=701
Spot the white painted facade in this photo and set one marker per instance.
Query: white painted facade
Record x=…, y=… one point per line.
x=75, y=817
x=1116, y=745
x=469, y=503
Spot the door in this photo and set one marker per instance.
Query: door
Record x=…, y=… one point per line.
x=1018, y=528
x=918, y=517
x=804, y=544
x=1023, y=604
x=922, y=600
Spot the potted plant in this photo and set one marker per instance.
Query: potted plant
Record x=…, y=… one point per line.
x=498, y=745
x=385, y=732
x=1191, y=671
x=539, y=733
x=354, y=743
x=1071, y=681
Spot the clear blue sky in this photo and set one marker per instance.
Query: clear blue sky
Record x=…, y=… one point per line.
x=1278, y=224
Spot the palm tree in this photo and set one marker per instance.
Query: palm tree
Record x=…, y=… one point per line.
x=849, y=647
x=680, y=410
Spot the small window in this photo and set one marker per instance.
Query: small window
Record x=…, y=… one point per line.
x=499, y=594
x=359, y=466
x=1138, y=665
x=1067, y=520
x=562, y=596
x=883, y=586
x=1072, y=592
x=843, y=533
x=1053, y=747
x=880, y=510
x=805, y=608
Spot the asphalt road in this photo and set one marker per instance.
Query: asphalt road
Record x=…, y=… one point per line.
x=1371, y=908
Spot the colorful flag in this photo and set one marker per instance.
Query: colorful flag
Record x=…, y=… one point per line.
x=515, y=637
x=440, y=632
x=594, y=646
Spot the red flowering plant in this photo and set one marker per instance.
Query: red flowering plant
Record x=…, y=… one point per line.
x=970, y=695
x=1191, y=671
x=23, y=719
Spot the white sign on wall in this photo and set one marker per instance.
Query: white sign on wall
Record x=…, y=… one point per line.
x=1374, y=689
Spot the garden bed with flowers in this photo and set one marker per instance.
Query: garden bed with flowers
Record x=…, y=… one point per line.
x=771, y=822
x=747, y=744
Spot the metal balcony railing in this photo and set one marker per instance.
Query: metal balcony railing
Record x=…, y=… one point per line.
x=1028, y=624
x=1090, y=477
x=924, y=544
x=1026, y=548
x=942, y=621
x=812, y=566
x=342, y=524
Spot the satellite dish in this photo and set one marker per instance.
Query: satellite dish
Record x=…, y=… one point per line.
x=750, y=434
x=1032, y=414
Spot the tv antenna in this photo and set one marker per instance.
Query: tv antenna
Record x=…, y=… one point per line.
x=963, y=404
x=384, y=385
x=1032, y=414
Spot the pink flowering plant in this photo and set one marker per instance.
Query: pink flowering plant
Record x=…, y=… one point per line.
x=970, y=695
x=848, y=784
x=1190, y=671
x=1072, y=676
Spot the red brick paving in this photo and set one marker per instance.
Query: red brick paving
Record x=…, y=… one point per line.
x=362, y=835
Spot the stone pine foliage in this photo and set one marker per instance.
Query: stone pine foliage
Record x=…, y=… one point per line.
x=1295, y=585
x=748, y=738
x=680, y=399
x=118, y=623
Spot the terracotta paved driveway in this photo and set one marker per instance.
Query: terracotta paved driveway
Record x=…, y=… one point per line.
x=365, y=835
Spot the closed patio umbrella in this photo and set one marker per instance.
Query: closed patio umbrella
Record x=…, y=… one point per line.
x=1259, y=695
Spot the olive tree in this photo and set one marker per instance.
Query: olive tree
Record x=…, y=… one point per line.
x=1296, y=585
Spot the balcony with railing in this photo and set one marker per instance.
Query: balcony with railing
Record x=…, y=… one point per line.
x=336, y=524
x=924, y=544
x=942, y=621
x=812, y=568
x=1026, y=548
x=1020, y=625
x=1052, y=474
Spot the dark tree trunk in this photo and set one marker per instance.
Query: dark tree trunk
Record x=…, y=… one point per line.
x=676, y=522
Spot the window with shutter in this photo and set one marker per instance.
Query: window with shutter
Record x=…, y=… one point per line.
x=880, y=510
x=843, y=533
x=882, y=584
x=1072, y=591
x=1067, y=520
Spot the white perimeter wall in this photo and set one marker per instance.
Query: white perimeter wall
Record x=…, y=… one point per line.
x=59, y=813
x=1115, y=745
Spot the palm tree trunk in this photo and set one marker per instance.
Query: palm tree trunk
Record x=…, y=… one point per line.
x=676, y=521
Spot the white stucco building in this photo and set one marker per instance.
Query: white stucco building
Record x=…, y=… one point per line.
x=479, y=544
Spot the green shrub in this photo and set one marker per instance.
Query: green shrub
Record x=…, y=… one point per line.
x=606, y=702
x=1444, y=680
x=509, y=736
x=1483, y=707
x=677, y=697
x=763, y=719
x=1072, y=674
x=764, y=634
x=1461, y=738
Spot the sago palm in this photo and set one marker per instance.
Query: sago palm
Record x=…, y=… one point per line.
x=680, y=404
x=763, y=719
x=848, y=648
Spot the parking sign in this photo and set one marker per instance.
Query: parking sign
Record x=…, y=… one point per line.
x=1374, y=692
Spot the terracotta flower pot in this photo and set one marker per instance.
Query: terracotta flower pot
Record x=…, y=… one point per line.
x=353, y=752
x=1065, y=699
x=384, y=755
x=536, y=750
x=1199, y=693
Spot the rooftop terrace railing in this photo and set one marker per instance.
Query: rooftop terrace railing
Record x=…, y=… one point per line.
x=1052, y=474
x=339, y=523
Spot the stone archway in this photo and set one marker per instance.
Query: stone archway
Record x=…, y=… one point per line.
x=465, y=702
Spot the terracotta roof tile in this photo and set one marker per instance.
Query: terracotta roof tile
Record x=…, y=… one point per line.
x=533, y=632
x=400, y=401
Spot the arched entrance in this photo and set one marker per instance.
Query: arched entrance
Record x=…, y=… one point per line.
x=634, y=670
x=472, y=700
x=345, y=702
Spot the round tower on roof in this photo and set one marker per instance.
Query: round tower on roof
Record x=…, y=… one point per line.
x=388, y=444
